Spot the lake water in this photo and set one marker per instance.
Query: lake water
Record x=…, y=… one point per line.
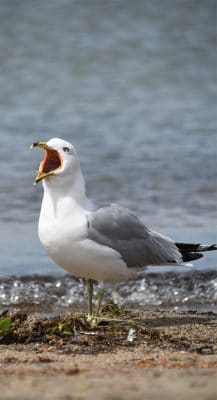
x=132, y=85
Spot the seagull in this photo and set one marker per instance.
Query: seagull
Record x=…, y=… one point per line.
x=92, y=240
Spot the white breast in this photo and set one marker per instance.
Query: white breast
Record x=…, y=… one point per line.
x=64, y=237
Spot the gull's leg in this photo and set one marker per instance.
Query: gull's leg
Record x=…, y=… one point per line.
x=100, y=295
x=89, y=286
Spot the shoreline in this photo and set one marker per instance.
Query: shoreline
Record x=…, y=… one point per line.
x=174, y=354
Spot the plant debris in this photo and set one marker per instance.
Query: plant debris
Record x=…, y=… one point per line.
x=192, y=332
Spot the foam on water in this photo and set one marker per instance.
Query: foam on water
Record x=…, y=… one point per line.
x=187, y=291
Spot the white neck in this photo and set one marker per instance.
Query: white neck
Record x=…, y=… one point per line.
x=64, y=194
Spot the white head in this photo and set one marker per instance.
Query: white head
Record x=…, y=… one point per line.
x=60, y=161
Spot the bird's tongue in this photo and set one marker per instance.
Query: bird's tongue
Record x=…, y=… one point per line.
x=51, y=162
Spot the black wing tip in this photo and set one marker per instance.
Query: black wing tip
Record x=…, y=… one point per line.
x=192, y=251
x=195, y=247
x=212, y=247
x=191, y=256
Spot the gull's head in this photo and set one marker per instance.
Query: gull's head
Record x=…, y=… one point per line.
x=60, y=159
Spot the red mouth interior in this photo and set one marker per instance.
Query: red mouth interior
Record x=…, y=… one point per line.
x=51, y=162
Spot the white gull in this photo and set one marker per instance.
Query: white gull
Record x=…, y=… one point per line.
x=102, y=242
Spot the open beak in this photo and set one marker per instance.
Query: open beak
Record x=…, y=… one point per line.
x=51, y=162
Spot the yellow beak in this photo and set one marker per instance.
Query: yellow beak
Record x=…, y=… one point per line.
x=42, y=145
x=41, y=175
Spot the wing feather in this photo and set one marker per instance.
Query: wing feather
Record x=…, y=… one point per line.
x=117, y=227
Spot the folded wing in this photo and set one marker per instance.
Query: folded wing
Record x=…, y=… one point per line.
x=118, y=228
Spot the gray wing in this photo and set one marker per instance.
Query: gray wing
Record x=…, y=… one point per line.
x=117, y=227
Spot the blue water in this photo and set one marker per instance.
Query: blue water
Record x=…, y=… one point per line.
x=132, y=85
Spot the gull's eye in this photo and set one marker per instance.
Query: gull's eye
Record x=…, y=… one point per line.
x=66, y=149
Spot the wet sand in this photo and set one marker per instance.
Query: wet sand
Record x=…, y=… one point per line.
x=167, y=355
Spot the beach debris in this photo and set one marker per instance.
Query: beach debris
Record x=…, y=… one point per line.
x=131, y=335
x=5, y=324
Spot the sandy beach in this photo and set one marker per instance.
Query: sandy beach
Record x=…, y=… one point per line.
x=127, y=355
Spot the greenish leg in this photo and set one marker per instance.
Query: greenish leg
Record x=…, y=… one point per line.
x=100, y=295
x=89, y=286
